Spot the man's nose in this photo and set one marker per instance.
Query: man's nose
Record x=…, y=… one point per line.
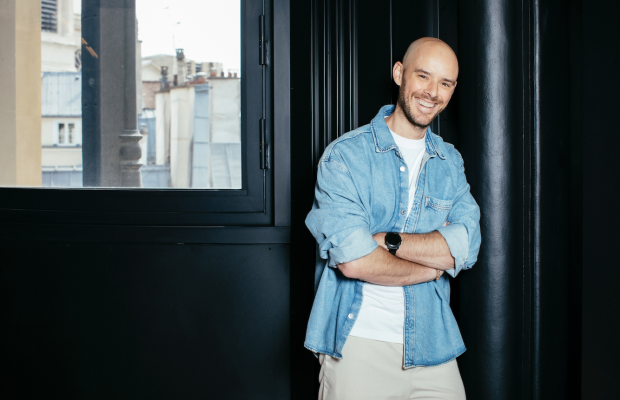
x=432, y=89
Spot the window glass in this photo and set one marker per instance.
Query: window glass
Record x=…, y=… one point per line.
x=188, y=97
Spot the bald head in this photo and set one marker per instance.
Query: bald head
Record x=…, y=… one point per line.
x=431, y=47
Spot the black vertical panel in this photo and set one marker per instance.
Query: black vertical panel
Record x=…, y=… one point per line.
x=601, y=172
x=575, y=227
x=281, y=163
x=334, y=78
x=374, y=65
x=304, y=366
x=493, y=142
x=550, y=199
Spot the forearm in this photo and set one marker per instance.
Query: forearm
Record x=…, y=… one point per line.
x=427, y=249
x=382, y=268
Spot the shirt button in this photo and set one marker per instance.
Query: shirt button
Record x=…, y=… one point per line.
x=402, y=212
x=350, y=316
x=402, y=169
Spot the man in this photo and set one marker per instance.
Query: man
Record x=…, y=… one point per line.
x=392, y=213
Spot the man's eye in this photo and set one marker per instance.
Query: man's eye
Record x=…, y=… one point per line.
x=422, y=76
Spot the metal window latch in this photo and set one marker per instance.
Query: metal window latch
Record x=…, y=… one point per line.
x=264, y=147
x=263, y=58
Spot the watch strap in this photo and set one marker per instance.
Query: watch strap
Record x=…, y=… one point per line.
x=393, y=251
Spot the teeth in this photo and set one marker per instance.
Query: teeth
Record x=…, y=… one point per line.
x=425, y=104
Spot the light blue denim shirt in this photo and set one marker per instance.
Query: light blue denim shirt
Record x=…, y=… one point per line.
x=361, y=191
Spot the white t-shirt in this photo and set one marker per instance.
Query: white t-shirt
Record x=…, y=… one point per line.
x=382, y=315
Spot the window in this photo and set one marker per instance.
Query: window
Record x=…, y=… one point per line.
x=71, y=133
x=66, y=134
x=49, y=9
x=61, y=134
x=188, y=90
x=173, y=113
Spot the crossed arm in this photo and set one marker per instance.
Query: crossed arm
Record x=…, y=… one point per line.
x=340, y=223
x=416, y=261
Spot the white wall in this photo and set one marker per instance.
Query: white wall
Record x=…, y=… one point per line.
x=162, y=121
x=181, y=128
x=61, y=156
x=150, y=72
x=225, y=104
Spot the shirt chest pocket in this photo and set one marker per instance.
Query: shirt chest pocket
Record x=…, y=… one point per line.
x=436, y=211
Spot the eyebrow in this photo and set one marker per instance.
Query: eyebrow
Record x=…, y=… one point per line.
x=428, y=73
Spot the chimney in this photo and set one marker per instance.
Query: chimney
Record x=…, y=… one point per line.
x=164, y=77
x=181, y=68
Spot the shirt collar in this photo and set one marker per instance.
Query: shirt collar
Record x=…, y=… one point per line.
x=385, y=142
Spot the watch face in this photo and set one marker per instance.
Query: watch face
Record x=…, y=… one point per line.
x=392, y=239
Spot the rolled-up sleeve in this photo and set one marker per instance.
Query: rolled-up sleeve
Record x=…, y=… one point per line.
x=463, y=233
x=338, y=220
x=356, y=245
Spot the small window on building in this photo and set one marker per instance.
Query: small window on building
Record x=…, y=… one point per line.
x=49, y=12
x=61, y=134
x=71, y=133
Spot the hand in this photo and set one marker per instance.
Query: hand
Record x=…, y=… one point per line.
x=380, y=239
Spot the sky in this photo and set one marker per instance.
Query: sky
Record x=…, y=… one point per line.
x=207, y=30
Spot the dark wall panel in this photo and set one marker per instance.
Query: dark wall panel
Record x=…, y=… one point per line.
x=575, y=227
x=601, y=172
x=550, y=200
x=492, y=132
x=374, y=58
x=110, y=320
x=304, y=366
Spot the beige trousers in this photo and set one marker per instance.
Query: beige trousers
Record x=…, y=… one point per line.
x=373, y=370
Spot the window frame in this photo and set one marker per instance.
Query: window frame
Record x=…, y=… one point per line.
x=262, y=189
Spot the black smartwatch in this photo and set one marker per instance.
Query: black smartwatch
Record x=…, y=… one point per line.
x=393, y=241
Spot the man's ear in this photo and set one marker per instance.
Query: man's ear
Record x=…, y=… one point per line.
x=397, y=72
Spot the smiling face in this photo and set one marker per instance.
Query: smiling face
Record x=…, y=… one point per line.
x=427, y=79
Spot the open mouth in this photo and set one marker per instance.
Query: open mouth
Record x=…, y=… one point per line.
x=425, y=104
